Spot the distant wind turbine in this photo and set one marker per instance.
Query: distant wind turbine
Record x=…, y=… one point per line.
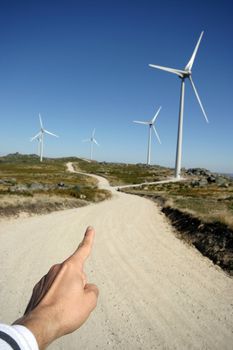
x=92, y=140
x=40, y=137
x=183, y=74
x=151, y=126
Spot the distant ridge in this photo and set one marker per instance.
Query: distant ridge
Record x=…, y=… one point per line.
x=19, y=155
x=227, y=174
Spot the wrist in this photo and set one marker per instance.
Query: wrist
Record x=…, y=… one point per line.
x=38, y=321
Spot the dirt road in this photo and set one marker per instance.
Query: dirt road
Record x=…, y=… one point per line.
x=155, y=291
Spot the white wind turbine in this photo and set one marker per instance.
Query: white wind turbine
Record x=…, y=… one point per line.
x=183, y=74
x=151, y=126
x=40, y=137
x=92, y=140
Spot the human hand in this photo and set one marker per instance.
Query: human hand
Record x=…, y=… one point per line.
x=62, y=300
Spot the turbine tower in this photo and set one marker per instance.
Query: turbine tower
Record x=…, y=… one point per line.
x=39, y=146
x=92, y=140
x=183, y=74
x=151, y=126
x=40, y=137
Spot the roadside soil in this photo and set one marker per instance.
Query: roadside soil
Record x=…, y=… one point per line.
x=214, y=240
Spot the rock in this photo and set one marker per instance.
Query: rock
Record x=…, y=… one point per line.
x=211, y=179
x=61, y=184
x=32, y=187
x=221, y=181
x=198, y=172
x=203, y=182
x=82, y=196
x=8, y=181
x=226, y=185
x=199, y=183
x=19, y=188
x=195, y=183
x=183, y=170
x=36, y=187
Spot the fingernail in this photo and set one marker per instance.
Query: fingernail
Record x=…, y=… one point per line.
x=90, y=228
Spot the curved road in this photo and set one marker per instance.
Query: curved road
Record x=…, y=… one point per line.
x=156, y=292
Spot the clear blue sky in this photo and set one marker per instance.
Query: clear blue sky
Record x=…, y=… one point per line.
x=84, y=64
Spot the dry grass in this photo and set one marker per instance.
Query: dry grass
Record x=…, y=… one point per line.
x=210, y=203
x=223, y=216
x=123, y=174
x=38, y=204
x=24, y=171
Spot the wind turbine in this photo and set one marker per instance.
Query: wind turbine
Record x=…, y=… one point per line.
x=183, y=74
x=151, y=126
x=92, y=140
x=40, y=137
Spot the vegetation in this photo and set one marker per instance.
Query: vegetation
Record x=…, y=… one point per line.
x=124, y=174
x=210, y=203
x=33, y=187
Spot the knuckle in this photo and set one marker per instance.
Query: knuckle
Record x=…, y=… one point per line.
x=68, y=265
x=55, y=266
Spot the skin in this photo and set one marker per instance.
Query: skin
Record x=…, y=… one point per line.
x=62, y=300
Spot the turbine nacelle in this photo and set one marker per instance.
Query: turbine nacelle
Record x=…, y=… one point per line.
x=187, y=74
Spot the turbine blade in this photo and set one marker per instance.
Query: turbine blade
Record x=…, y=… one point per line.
x=179, y=72
x=34, y=137
x=157, y=135
x=86, y=140
x=139, y=122
x=156, y=115
x=191, y=61
x=41, y=124
x=50, y=133
x=198, y=98
x=94, y=140
x=93, y=133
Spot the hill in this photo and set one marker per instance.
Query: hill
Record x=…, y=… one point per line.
x=29, y=186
